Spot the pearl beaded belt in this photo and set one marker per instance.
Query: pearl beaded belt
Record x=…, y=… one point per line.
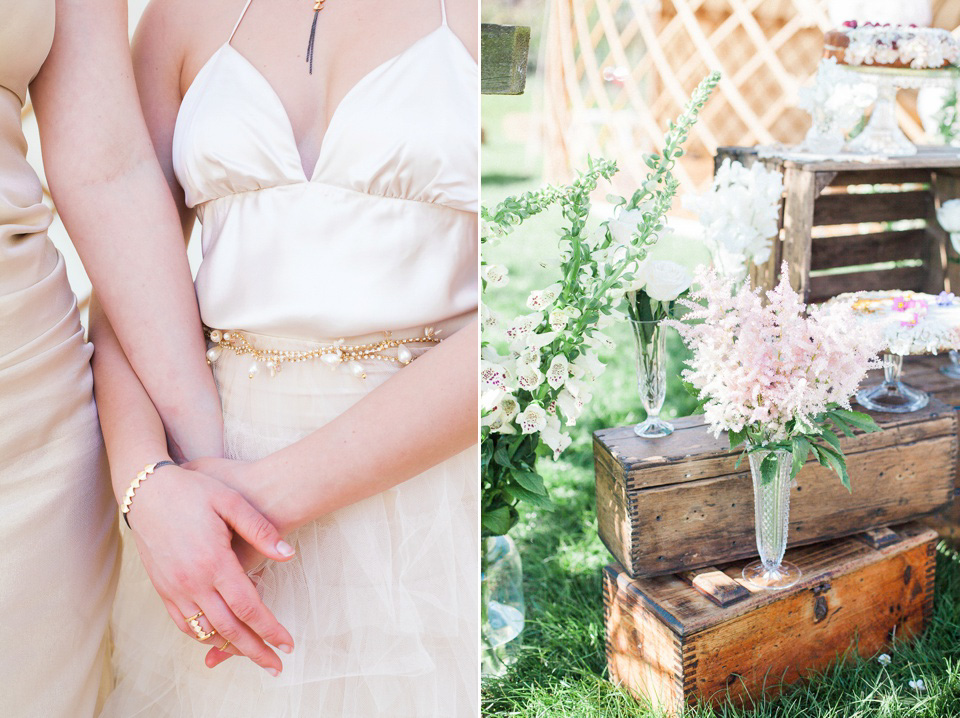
x=333, y=355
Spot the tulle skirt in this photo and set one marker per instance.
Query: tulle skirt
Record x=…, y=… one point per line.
x=381, y=599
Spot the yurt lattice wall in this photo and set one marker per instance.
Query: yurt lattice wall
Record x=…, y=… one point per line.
x=616, y=71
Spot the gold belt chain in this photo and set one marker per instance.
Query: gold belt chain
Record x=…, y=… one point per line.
x=334, y=355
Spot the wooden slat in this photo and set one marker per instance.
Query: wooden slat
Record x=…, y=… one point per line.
x=852, y=250
x=881, y=207
x=716, y=585
x=692, y=452
x=879, y=538
x=927, y=157
x=902, y=278
x=868, y=175
x=503, y=59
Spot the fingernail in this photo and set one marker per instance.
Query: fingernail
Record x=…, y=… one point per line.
x=273, y=672
x=284, y=549
x=285, y=648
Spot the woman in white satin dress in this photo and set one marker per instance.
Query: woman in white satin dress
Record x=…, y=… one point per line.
x=339, y=287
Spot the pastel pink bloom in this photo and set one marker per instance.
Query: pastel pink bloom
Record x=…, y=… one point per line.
x=765, y=364
x=901, y=303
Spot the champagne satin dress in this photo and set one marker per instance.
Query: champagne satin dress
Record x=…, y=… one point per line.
x=58, y=548
x=380, y=236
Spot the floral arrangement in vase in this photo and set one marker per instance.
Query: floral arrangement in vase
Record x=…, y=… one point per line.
x=777, y=376
x=534, y=392
x=740, y=215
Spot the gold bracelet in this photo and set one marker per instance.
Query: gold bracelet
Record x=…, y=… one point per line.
x=135, y=484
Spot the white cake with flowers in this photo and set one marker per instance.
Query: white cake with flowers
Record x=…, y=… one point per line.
x=896, y=46
x=911, y=322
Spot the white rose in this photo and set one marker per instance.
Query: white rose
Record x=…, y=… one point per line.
x=533, y=419
x=624, y=226
x=949, y=215
x=666, y=280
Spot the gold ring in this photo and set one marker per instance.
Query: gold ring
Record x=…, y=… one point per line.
x=198, y=629
x=224, y=648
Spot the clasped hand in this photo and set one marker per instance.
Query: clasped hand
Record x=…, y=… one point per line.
x=197, y=537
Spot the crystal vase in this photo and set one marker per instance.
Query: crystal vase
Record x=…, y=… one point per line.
x=501, y=604
x=952, y=369
x=892, y=394
x=650, y=338
x=771, y=503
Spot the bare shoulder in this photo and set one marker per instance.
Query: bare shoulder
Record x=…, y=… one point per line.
x=464, y=20
x=178, y=36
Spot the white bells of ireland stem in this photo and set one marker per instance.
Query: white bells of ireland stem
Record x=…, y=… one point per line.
x=948, y=215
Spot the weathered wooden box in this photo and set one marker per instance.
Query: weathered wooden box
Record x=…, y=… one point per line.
x=862, y=225
x=678, y=503
x=672, y=644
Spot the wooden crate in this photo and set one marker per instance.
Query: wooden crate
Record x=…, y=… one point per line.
x=674, y=640
x=831, y=230
x=680, y=502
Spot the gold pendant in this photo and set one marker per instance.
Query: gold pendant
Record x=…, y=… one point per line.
x=318, y=5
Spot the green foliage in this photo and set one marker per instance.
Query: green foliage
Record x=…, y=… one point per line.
x=588, y=288
x=823, y=443
x=561, y=671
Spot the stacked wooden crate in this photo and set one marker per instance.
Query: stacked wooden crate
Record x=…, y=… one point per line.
x=677, y=512
x=840, y=219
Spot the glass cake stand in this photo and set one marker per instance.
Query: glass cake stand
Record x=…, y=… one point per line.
x=892, y=394
x=882, y=134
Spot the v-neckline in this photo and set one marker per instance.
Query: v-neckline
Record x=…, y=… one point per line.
x=311, y=176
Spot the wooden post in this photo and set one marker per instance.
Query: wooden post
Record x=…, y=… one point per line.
x=797, y=223
x=503, y=59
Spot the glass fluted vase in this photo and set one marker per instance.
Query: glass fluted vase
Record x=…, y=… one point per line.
x=771, y=503
x=892, y=394
x=501, y=605
x=650, y=339
x=952, y=369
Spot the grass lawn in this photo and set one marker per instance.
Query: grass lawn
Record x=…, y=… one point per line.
x=561, y=670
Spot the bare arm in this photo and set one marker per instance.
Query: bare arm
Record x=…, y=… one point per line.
x=117, y=207
x=183, y=521
x=421, y=416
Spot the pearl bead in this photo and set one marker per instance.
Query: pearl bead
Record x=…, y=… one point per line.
x=404, y=355
x=213, y=353
x=227, y=336
x=253, y=370
x=215, y=336
x=356, y=368
x=330, y=359
x=272, y=368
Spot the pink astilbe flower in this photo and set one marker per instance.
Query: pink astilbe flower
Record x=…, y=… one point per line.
x=764, y=366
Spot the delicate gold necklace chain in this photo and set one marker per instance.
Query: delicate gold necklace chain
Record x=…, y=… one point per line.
x=333, y=355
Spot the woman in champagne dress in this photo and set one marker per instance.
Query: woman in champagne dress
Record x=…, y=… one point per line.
x=58, y=540
x=339, y=285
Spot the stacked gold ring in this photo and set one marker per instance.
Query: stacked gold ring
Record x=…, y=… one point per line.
x=197, y=629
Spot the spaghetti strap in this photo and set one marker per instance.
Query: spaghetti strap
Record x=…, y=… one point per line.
x=443, y=11
x=247, y=7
